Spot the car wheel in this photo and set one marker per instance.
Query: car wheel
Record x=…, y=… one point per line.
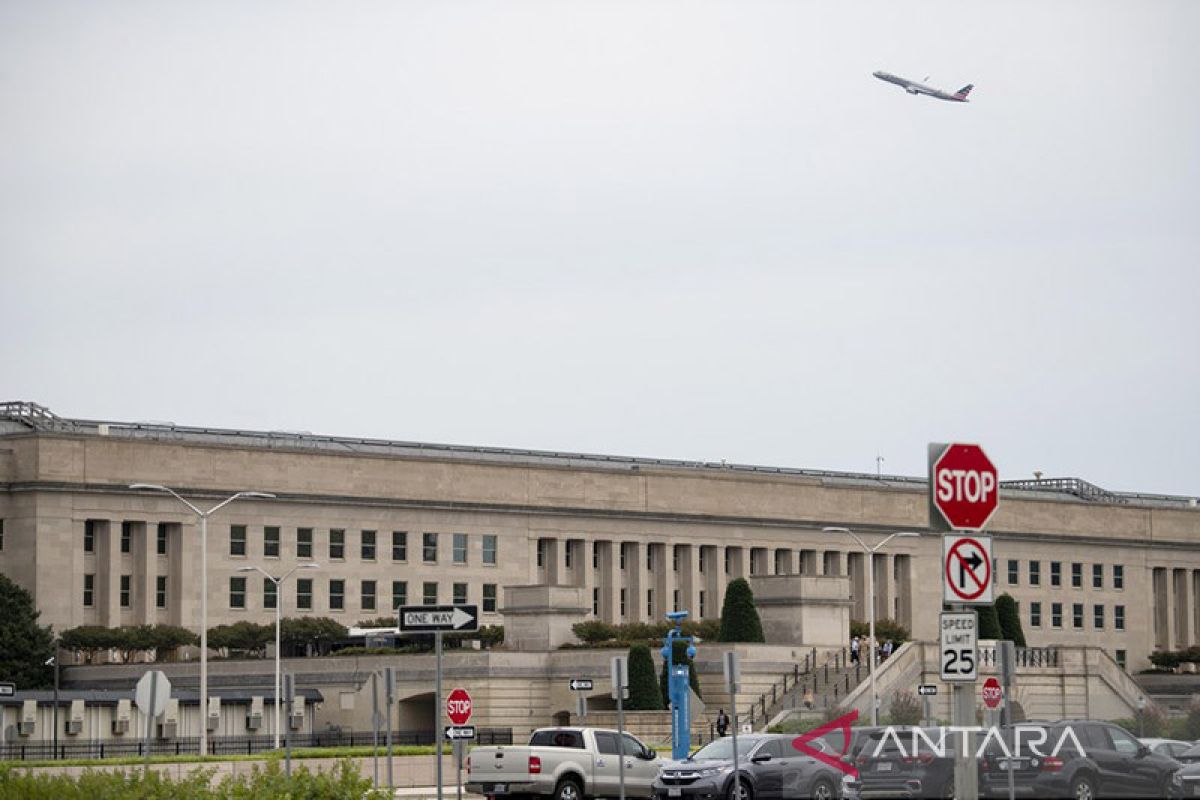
x=823, y=790
x=1083, y=788
x=567, y=789
x=740, y=789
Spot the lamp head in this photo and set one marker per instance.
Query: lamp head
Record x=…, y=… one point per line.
x=313, y=565
x=264, y=495
x=835, y=529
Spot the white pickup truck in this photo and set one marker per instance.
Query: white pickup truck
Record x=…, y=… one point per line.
x=564, y=764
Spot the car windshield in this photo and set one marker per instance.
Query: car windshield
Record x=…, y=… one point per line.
x=722, y=749
x=1192, y=752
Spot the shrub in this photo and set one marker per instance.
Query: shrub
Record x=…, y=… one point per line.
x=989, y=623
x=643, y=686
x=594, y=631
x=739, y=617
x=1010, y=620
x=1165, y=659
x=315, y=632
x=1191, y=723
x=1153, y=721
x=378, y=622
x=905, y=709
x=242, y=637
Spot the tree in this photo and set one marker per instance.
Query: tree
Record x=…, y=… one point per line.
x=989, y=623
x=242, y=637
x=25, y=646
x=378, y=622
x=643, y=686
x=315, y=632
x=166, y=639
x=885, y=629
x=1010, y=620
x=739, y=617
x=87, y=639
x=905, y=709
x=679, y=656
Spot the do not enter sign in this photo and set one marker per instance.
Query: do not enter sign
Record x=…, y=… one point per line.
x=458, y=706
x=992, y=693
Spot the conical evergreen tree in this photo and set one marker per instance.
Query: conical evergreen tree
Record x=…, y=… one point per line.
x=25, y=646
x=739, y=617
x=643, y=686
x=989, y=623
x=1010, y=620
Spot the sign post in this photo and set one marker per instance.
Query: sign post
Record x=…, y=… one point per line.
x=458, y=709
x=289, y=697
x=375, y=726
x=152, y=693
x=437, y=620
x=389, y=696
x=964, y=492
x=579, y=686
x=620, y=691
x=733, y=676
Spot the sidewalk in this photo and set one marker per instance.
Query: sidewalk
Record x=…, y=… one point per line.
x=430, y=793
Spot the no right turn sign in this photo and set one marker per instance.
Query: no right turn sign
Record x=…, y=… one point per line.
x=967, y=569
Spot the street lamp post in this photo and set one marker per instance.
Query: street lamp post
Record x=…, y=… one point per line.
x=203, y=515
x=278, y=620
x=870, y=598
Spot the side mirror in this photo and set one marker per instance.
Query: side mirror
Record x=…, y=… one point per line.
x=649, y=754
x=1143, y=751
x=760, y=758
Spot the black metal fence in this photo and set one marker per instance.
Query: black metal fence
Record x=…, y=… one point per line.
x=225, y=745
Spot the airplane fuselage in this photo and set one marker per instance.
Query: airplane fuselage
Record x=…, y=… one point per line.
x=913, y=87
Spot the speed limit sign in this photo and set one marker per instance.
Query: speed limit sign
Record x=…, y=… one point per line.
x=959, y=639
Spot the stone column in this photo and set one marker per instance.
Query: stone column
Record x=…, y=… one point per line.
x=636, y=581
x=690, y=580
x=903, y=575
x=179, y=594
x=553, y=568
x=758, y=562
x=1163, y=622
x=735, y=558
x=857, y=569
x=108, y=572
x=883, y=586
x=714, y=586
x=610, y=581
x=145, y=567
x=662, y=577
x=1183, y=608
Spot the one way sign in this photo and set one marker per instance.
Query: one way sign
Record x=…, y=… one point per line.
x=967, y=569
x=430, y=619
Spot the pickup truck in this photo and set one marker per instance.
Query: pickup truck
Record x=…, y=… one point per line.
x=564, y=764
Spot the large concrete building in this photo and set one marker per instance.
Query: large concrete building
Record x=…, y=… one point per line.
x=394, y=523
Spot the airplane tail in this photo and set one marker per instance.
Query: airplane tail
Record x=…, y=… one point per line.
x=962, y=93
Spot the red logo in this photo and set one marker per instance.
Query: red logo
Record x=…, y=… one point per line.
x=843, y=723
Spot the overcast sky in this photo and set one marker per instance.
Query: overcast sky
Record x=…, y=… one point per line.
x=669, y=229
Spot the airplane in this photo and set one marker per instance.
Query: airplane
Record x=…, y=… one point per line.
x=912, y=87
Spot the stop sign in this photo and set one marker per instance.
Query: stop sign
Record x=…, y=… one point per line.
x=992, y=694
x=458, y=706
x=964, y=486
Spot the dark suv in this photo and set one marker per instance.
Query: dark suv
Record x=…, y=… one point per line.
x=890, y=766
x=1108, y=762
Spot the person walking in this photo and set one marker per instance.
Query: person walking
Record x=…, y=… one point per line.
x=854, y=645
x=722, y=722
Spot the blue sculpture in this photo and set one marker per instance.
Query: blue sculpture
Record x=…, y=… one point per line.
x=678, y=690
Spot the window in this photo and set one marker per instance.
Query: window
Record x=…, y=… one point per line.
x=595, y=554
x=1076, y=575
x=304, y=543
x=595, y=601
x=126, y=602
x=429, y=593
x=126, y=537
x=270, y=596
x=1077, y=615
x=399, y=546
x=271, y=542
x=1056, y=573
x=399, y=594
x=728, y=561
x=703, y=560
x=460, y=594
x=1123, y=742
x=162, y=538
x=1035, y=615
x=622, y=603
x=1098, y=616
x=1097, y=576
x=460, y=549
x=367, y=548
x=337, y=543
x=1056, y=615
x=237, y=540
x=675, y=600
x=1119, y=617
x=1014, y=572
x=541, y=553
x=89, y=536
x=304, y=593
x=237, y=592
x=489, y=597
x=622, y=555
x=89, y=590
x=650, y=603
x=337, y=594
x=703, y=612
x=1035, y=573
x=489, y=550
x=160, y=591
x=368, y=595
x=606, y=742
x=429, y=548
x=675, y=558
x=1120, y=658
x=1118, y=576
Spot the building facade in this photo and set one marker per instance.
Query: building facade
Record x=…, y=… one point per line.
x=395, y=523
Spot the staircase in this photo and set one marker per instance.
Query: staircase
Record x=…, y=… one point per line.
x=829, y=683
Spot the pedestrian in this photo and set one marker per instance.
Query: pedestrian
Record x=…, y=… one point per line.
x=722, y=722
x=854, y=645
x=887, y=649
x=809, y=700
